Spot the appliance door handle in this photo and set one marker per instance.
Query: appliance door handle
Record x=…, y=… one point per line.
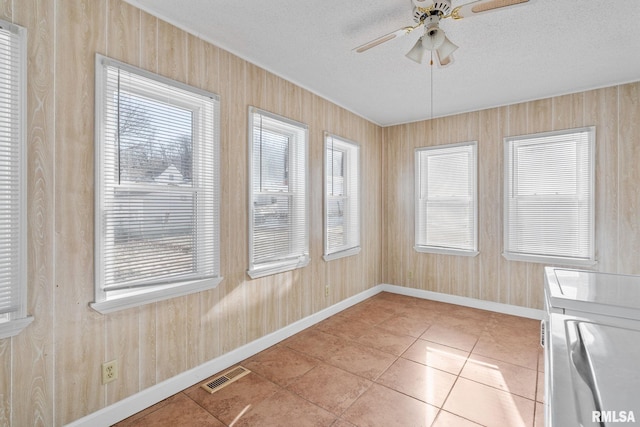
x=580, y=361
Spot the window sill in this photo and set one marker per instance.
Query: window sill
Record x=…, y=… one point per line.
x=14, y=327
x=574, y=262
x=445, y=251
x=156, y=295
x=341, y=254
x=269, y=269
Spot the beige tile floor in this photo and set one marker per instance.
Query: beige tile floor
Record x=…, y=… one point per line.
x=391, y=360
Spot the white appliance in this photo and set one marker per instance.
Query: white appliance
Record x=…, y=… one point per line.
x=591, y=334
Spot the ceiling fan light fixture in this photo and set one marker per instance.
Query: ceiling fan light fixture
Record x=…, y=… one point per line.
x=446, y=48
x=417, y=52
x=433, y=38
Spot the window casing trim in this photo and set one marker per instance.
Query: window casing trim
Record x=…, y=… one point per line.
x=349, y=148
x=163, y=289
x=14, y=322
x=542, y=258
x=287, y=263
x=441, y=249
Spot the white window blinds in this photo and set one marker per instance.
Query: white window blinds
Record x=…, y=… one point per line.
x=549, y=203
x=342, y=198
x=278, y=220
x=446, y=199
x=157, y=184
x=13, y=224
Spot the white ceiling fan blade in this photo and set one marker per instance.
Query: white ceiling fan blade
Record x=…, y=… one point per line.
x=385, y=38
x=482, y=6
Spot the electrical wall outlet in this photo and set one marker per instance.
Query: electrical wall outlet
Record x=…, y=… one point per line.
x=326, y=291
x=109, y=371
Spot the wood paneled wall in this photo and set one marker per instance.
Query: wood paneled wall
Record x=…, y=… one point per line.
x=615, y=112
x=50, y=373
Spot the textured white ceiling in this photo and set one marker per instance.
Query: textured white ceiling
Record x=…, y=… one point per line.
x=535, y=50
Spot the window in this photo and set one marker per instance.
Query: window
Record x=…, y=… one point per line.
x=342, y=198
x=549, y=201
x=278, y=220
x=446, y=199
x=13, y=182
x=157, y=187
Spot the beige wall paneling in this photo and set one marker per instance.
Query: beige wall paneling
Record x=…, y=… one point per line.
x=6, y=370
x=489, y=205
x=504, y=288
x=372, y=204
x=122, y=328
x=234, y=110
x=79, y=338
x=33, y=358
x=601, y=110
x=393, y=247
x=148, y=42
x=123, y=32
x=406, y=175
x=6, y=10
x=629, y=178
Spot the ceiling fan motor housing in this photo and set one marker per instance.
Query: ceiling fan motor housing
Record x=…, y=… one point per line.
x=440, y=8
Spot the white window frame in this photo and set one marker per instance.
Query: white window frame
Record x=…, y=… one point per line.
x=111, y=296
x=422, y=198
x=13, y=161
x=298, y=135
x=585, y=190
x=352, y=218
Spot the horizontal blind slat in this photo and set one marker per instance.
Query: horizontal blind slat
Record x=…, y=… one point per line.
x=279, y=226
x=12, y=169
x=160, y=200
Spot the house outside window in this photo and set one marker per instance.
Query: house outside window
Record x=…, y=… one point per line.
x=157, y=187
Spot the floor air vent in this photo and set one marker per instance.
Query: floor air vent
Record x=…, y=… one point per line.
x=225, y=379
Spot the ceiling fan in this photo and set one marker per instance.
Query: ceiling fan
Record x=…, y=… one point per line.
x=427, y=14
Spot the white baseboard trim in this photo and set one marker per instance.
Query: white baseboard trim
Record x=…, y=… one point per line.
x=514, y=310
x=152, y=395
